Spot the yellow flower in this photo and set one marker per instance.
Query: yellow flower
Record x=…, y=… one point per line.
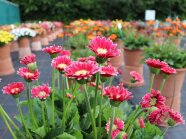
x=5, y=37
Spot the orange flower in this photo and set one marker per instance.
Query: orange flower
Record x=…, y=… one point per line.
x=113, y=37
x=168, y=19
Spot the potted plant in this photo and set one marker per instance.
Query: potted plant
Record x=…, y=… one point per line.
x=6, y=67
x=134, y=44
x=96, y=112
x=23, y=36
x=176, y=58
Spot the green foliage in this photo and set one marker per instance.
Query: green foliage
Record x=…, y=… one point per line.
x=136, y=41
x=68, y=10
x=149, y=132
x=173, y=55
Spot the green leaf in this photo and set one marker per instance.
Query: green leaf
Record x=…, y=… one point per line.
x=40, y=131
x=23, y=103
x=54, y=133
x=65, y=136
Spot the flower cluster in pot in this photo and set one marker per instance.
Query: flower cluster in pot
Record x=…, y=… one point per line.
x=62, y=111
x=5, y=38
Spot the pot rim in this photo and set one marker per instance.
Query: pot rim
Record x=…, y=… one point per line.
x=126, y=48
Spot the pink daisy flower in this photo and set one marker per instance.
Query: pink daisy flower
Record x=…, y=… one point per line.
x=141, y=122
x=117, y=127
x=27, y=74
x=158, y=116
x=117, y=93
x=168, y=70
x=136, y=77
x=52, y=50
x=103, y=48
x=176, y=117
x=41, y=92
x=61, y=62
x=155, y=63
x=14, y=88
x=65, y=52
x=30, y=61
x=81, y=70
x=108, y=71
x=153, y=99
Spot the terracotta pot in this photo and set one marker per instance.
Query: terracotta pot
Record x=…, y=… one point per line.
x=126, y=78
x=14, y=46
x=6, y=67
x=24, y=47
x=133, y=58
x=36, y=43
x=172, y=87
x=118, y=60
x=44, y=40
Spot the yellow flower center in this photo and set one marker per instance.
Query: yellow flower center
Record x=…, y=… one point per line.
x=14, y=90
x=153, y=101
x=42, y=94
x=62, y=66
x=81, y=72
x=101, y=51
x=29, y=74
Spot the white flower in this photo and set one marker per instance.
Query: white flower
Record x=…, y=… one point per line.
x=23, y=32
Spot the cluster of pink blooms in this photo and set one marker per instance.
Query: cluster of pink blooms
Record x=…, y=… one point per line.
x=160, y=65
x=136, y=77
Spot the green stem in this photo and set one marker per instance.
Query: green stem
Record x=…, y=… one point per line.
x=66, y=80
x=111, y=122
x=43, y=113
x=100, y=111
x=30, y=106
x=96, y=93
x=162, y=84
x=151, y=83
x=58, y=80
x=69, y=104
x=7, y=124
x=90, y=113
x=53, y=91
x=165, y=131
x=10, y=120
x=22, y=118
x=110, y=82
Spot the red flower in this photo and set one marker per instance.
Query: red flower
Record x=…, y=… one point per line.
x=85, y=59
x=103, y=48
x=168, y=70
x=136, y=76
x=153, y=99
x=14, y=88
x=176, y=117
x=27, y=74
x=117, y=93
x=81, y=70
x=41, y=92
x=65, y=53
x=28, y=59
x=158, y=116
x=61, y=62
x=108, y=71
x=141, y=122
x=117, y=127
x=155, y=63
x=120, y=71
x=52, y=49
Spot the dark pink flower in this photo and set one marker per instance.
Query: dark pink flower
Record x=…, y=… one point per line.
x=28, y=59
x=141, y=122
x=61, y=62
x=118, y=125
x=159, y=116
x=70, y=96
x=136, y=76
x=27, y=74
x=176, y=117
x=81, y=70
x=168, y=70
x=155, y=63
x=14, y=88
x=103, y=48
x=41, y=92
x=120, y=71
x=117, y=93
x=65, y=52
x=153, y=99
x=85, y=59
x=52, y=49
x=108, y=71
